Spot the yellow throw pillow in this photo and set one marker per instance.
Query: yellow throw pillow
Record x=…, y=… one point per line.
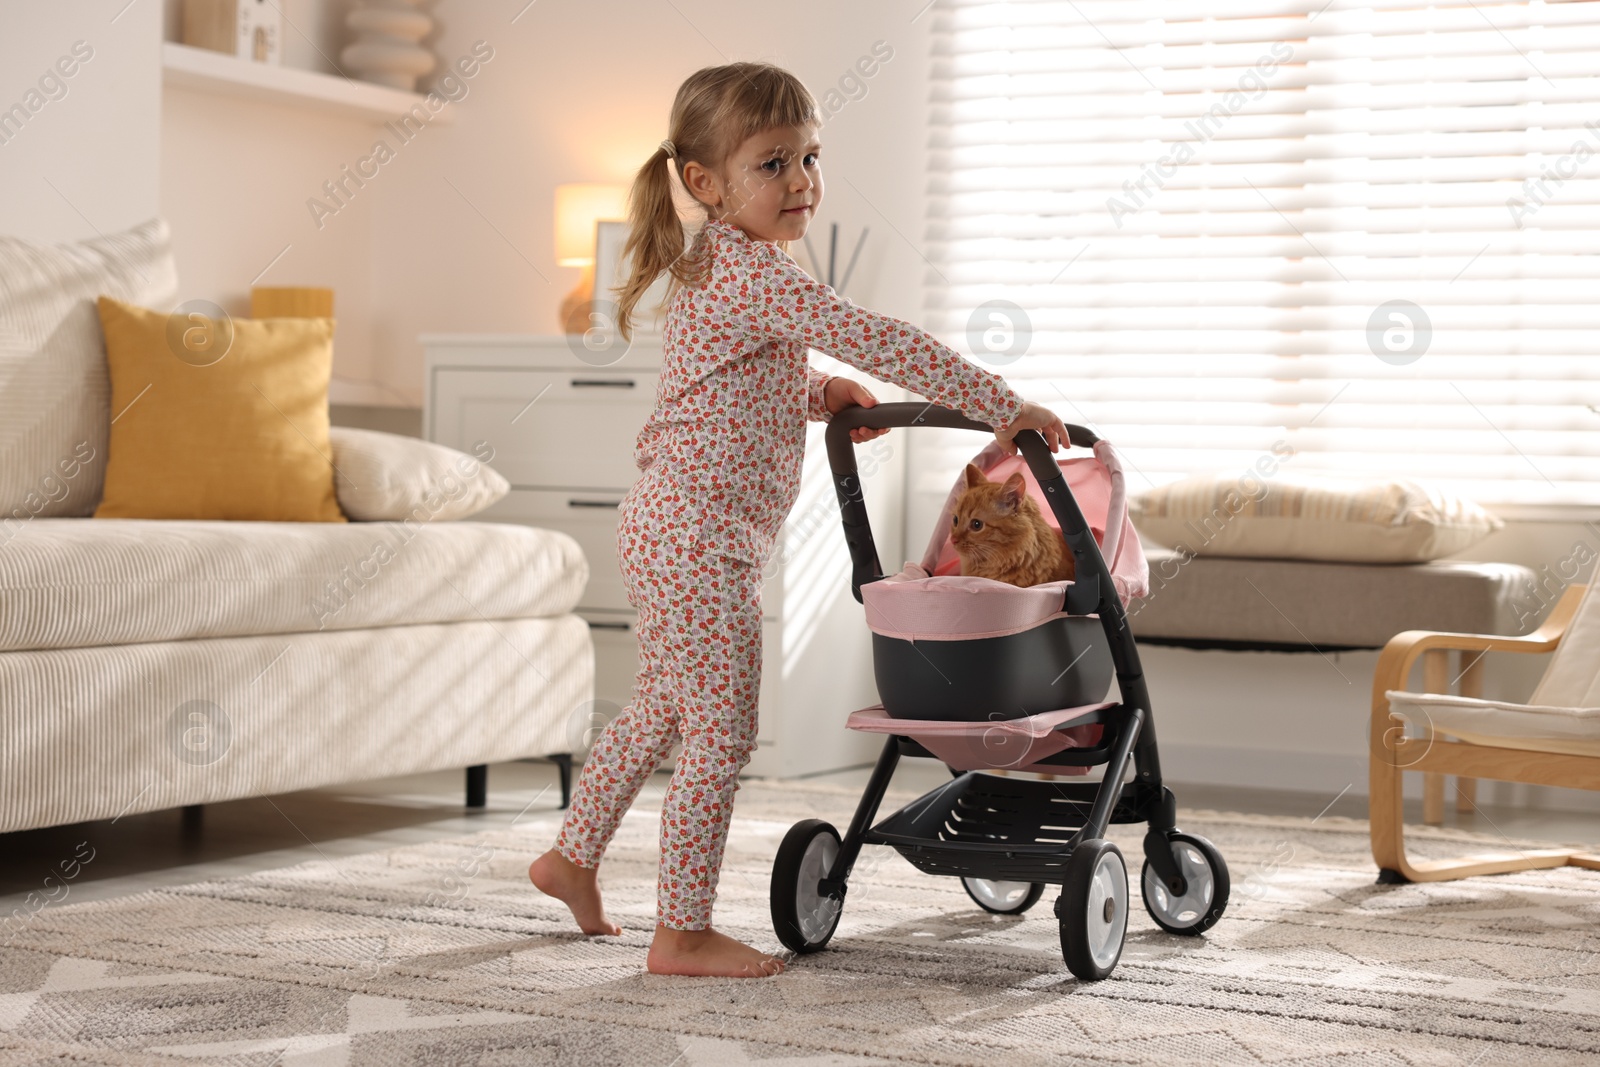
x=208, y=424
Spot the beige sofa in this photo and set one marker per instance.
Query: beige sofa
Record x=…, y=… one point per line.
x=155, y=664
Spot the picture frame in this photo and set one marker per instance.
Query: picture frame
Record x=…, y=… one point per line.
x=611, y=269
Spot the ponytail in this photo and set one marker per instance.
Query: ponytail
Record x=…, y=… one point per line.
x=655, y=237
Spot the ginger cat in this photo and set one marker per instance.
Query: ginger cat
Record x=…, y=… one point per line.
x=999, y=533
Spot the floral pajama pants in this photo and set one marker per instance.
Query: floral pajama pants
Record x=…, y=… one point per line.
x=699, y=635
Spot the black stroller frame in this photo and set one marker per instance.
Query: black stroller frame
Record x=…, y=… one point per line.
x=1009, y=831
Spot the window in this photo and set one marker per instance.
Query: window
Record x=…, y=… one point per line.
x=1371, y=231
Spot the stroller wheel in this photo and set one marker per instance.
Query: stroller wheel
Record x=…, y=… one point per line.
x=1093, y=909
x=803, y=916
x=1003, y=898
x=1205, y=889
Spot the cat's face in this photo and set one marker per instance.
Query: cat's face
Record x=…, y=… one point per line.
x=985, y=524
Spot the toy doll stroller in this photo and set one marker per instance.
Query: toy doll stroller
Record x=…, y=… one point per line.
x=983, y=676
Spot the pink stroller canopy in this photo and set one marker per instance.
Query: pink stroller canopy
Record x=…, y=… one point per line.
x=932, y=600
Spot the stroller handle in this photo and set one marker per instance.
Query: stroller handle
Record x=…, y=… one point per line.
x=911, y=413
x=1093, y=586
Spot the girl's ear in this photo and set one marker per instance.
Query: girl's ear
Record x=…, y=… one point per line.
x=702, y=185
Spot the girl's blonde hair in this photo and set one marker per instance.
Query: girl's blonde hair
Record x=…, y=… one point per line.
x=716, y=109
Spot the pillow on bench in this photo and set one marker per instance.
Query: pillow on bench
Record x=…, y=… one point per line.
x=1327, y=520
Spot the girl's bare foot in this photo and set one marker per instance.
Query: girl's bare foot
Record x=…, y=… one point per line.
x=707, y=953
x=576, y=887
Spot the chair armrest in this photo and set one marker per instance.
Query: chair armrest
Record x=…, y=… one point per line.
x=1398, y=656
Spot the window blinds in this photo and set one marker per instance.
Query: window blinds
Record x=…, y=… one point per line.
x=1370, y=231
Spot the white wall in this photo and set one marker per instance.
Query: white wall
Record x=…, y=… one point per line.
x=235, y=178
x=85, y=159
x=236, y=175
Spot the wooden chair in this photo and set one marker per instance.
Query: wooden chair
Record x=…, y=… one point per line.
x=1553, y=740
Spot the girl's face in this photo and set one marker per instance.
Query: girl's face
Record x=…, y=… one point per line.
x=770, y=186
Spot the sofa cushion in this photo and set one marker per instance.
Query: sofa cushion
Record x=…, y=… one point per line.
x=384, y=476
x=55, y=396
x=217, y=418
x=97, y=733
x=78, y=583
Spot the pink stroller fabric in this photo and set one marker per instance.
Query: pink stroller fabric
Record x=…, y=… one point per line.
x=1014, y=744
x=933, y=601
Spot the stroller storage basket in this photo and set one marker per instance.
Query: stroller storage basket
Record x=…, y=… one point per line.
x=984, y=826
x=1063, y=662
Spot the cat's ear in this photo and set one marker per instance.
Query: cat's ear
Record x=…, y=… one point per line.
x=1011, y=492
x=975, y=476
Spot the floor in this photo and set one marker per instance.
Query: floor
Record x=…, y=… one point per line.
x=138, y=852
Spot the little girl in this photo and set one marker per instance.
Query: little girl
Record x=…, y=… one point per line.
x=720, y=461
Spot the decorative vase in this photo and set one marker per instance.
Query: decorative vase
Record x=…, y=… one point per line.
x=385, y=50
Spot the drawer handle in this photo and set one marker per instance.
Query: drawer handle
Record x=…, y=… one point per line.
x=576, y=503
x=608, y=626
x=602, y=383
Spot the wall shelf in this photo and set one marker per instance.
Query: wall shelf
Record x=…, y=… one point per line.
x=205, y=71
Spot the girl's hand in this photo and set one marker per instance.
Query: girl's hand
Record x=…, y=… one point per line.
x=1035, y=417
x=841, y=393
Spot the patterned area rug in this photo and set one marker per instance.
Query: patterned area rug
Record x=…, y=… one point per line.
x=441, y=954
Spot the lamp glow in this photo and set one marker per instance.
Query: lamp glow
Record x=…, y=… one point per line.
x=579, y=207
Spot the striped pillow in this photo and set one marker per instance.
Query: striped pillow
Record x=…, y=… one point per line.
x=1328, y=520
x=55, y=393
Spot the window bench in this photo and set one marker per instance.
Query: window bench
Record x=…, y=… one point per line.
x=1275, y=605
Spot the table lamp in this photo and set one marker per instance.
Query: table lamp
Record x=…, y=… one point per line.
x=579, y=207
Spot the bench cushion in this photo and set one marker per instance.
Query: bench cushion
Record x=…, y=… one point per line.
x=1267, y=603
x=81, y=583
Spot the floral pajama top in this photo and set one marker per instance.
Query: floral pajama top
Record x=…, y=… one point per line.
x=728, y=431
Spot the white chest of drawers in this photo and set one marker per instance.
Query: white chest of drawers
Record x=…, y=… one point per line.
x=563, y=433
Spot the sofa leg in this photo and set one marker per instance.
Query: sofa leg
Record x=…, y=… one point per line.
x=478, y=785
x=193, y=818
x=563, y=762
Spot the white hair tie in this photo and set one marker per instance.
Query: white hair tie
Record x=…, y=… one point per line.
x=670, y=149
